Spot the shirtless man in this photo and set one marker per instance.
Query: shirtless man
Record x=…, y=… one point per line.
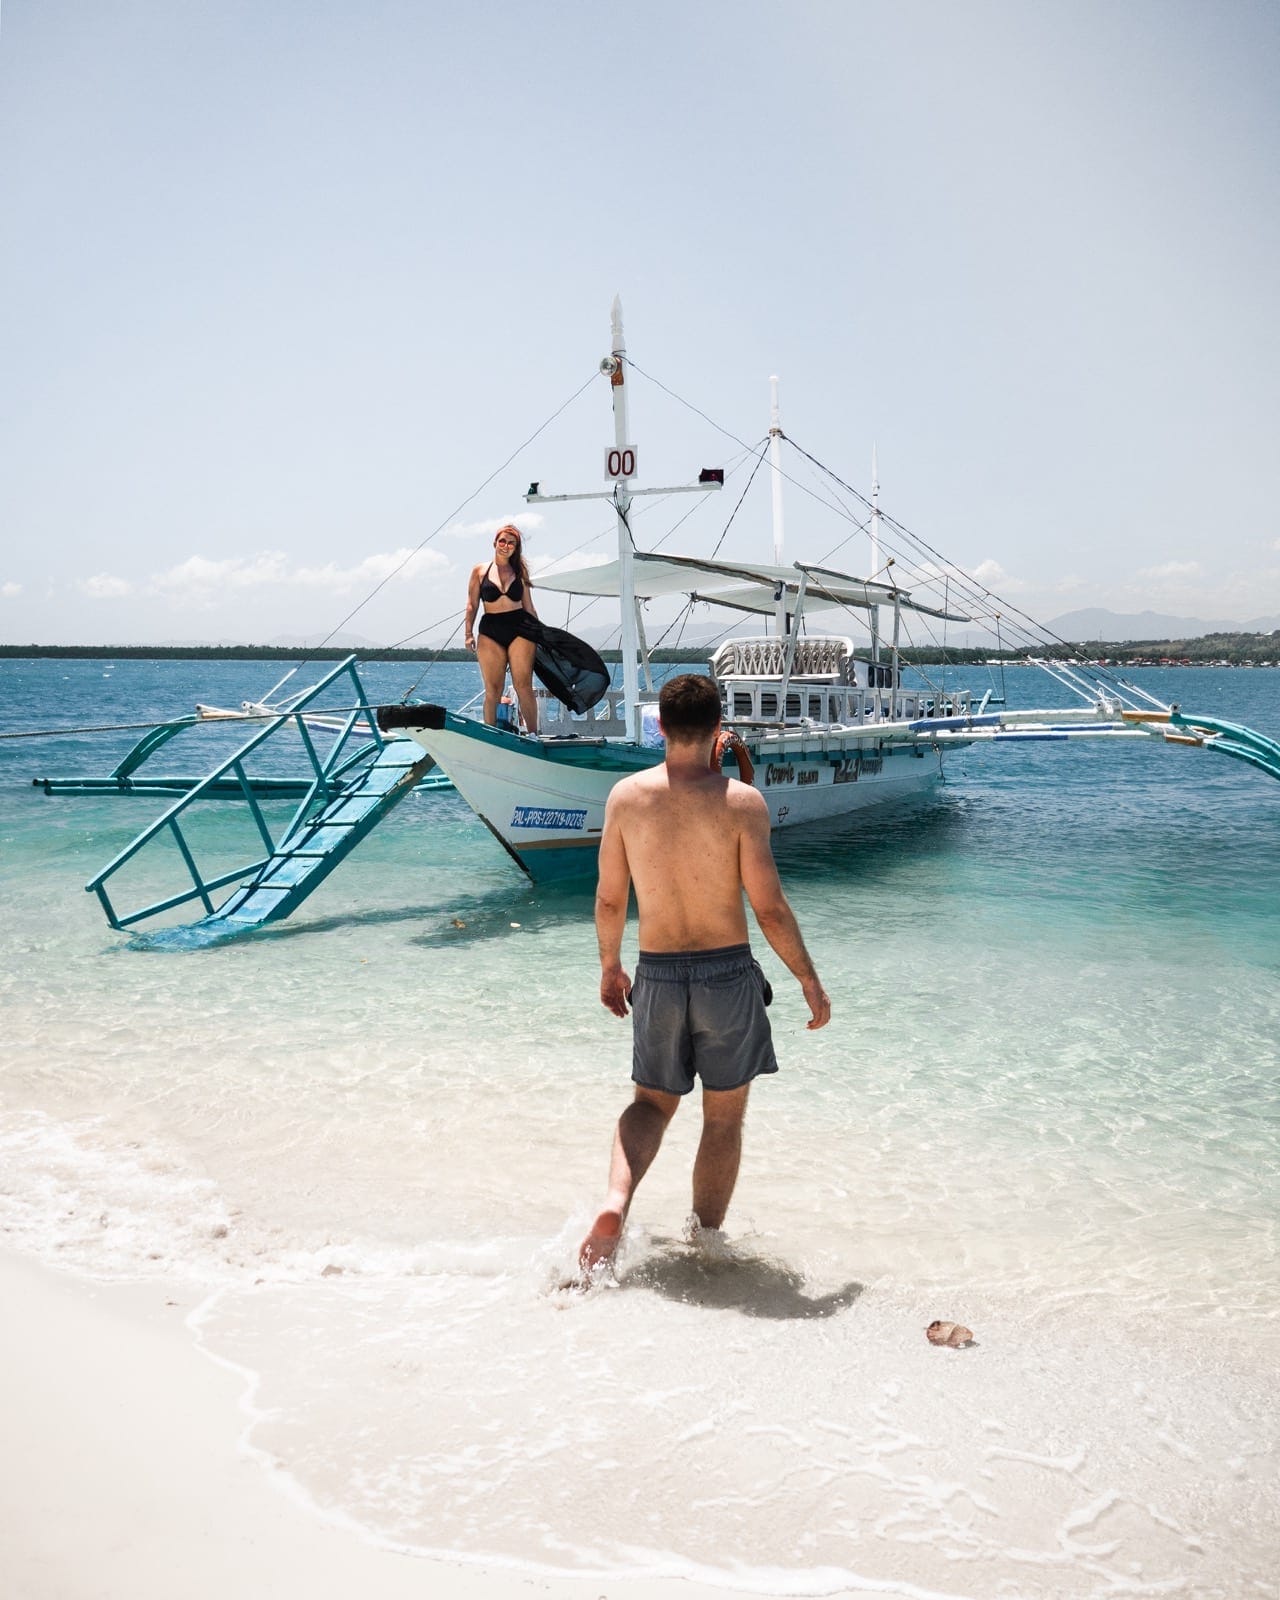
x=692, y=842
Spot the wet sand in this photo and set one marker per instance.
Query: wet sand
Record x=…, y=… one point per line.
x=123, y=1472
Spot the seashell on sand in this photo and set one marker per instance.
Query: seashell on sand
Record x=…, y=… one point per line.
x=949, y=1333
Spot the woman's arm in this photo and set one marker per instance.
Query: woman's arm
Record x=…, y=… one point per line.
x=473, y=605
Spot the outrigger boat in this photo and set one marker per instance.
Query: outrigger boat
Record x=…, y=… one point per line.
x=828, y=731
x=830, y=728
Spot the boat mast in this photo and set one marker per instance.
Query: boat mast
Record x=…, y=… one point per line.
x=620, y=467
x=621, y=505
x=781, y=621
x=875, y=553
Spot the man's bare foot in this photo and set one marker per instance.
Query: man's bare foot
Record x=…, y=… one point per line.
x=602, y=1241
x=707, y=1241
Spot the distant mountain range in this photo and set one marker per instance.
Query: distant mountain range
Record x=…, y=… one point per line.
x=313, y=641
x=1076, y=627
x=1115, y=627
x=282, y=641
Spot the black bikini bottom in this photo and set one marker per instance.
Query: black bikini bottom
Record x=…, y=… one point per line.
x=504, y=626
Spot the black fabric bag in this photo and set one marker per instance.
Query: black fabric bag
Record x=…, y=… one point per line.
x=567, y=667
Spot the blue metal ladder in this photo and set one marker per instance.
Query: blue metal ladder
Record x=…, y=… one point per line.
x=349, y=794
x=305, y=857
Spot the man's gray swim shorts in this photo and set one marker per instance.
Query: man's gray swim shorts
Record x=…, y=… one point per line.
x=700, y=1011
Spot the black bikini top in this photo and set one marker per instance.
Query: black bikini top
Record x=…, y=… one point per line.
x=489, y=591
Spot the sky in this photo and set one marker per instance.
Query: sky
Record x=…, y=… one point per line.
x=286, y=286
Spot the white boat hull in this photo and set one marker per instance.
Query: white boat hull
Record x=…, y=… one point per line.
x=804, y=788
x=544, y=800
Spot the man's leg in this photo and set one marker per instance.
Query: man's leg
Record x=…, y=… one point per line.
x=715, y=1171
x=638, y=1139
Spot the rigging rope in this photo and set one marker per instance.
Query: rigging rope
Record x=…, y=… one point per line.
x=725, y=534
x=110, y=727
x=1034, y=632
x=461, y=506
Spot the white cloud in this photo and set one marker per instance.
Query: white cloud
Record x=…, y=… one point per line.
x=102, y=586
x=201, y=581
x=1172, y=569
x=548, y=566
x=403, y=565
x=10, y=591
x=991, y=575
x=527, y=521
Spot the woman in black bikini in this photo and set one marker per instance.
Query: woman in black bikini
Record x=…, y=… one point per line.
x=502, y=586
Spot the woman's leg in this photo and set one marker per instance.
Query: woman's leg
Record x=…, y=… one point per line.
x=492, y=659
x=520, y=657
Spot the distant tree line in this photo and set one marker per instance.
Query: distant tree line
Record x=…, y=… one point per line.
x=268, y=652
x=1237, y=649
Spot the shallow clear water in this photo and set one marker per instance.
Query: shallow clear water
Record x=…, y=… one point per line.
x=370, y=1139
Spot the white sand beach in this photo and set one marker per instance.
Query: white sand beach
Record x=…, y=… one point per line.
x=286, y=1219
x=128, y=1472
x=122, y=1473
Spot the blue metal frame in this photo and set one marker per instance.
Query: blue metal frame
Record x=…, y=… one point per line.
x=332, y=776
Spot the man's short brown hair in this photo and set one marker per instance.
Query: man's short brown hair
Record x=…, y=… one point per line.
x=688, y=707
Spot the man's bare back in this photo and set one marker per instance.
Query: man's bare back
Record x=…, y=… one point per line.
x=683, y=836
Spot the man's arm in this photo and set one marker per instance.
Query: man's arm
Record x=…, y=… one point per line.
x=612, y=891
x=773, y=913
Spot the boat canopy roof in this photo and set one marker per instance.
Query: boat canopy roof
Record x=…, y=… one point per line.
x=741, y=585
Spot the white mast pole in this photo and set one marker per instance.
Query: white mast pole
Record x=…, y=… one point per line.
x=620, y=466
x=622, y=504
x=775, y=472
x=875, y=553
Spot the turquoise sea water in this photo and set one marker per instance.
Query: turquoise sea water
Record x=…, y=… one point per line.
x=368, y=1142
